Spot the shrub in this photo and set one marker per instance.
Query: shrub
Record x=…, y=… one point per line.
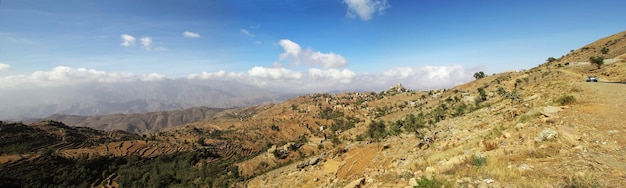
x=482, y=93
x=566, y=99
x=478, y=161
x=433, y=182
x=604, y=50
x=551, y=59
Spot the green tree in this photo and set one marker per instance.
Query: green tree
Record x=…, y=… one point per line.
x=376, y=130
x=551, y=59
x=598, y=61
x=479, y=75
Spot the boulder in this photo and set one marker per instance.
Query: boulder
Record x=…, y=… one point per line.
x=546, y=135
x=549, y=111
x=412, y=182
x=310, y=162
x=356, y=183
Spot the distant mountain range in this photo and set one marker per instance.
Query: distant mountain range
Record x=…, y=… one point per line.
x=98, y=98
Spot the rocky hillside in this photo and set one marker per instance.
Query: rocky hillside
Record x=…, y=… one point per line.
x=609, y=47
x=543, y=127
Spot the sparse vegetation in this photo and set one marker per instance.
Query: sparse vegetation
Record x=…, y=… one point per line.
x=567, y=99
x=433, y=182
x=597, y=60
x=479, y=161
x=604, y=50
x=581, y=180
x=482, y=93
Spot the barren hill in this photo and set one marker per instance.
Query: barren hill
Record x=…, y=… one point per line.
x=141, y=122
x=609, y=47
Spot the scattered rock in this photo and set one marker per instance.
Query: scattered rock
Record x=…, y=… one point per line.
x=568, y=132
x=310, y=162
x=489, y=180
x=412, y=182
x=549, y=111
x=430, y=170
x=520, y=126
x=535, y=96
x=356, y=183
x=546, y=135
x=524, y=168
x=506, y=134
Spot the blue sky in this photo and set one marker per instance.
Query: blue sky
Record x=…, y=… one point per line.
x=314, y=44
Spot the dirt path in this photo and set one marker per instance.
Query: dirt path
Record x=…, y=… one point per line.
x=600, y=117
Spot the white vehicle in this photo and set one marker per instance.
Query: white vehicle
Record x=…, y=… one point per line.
x=592, y=78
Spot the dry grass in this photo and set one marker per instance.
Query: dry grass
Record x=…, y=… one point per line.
x=437, y=156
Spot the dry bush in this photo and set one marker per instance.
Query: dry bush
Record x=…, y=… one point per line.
x=490, y=145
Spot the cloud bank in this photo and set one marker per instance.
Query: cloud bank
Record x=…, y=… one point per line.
x=62, y=75
x=365, y=9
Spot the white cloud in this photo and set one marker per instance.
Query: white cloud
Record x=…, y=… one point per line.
x=127, y=40
x=429, y=77
x=365, y=9
x=344, y=76
x=4, y=66
x=294, y=53
x=324, y=80
x=146, y=42
x=153, y=77
x=207, y=75
x=274, y=73
x=62, y=75
x=246, y=32
x=189, y=34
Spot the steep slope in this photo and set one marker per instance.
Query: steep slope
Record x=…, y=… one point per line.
x=545, y=127
x=613, y=45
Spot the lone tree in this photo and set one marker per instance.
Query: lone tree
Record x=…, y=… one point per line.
x=551, y=59
x=598, y=61
x=479, y=75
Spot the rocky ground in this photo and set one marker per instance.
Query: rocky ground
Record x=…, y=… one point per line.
x=537, y=142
